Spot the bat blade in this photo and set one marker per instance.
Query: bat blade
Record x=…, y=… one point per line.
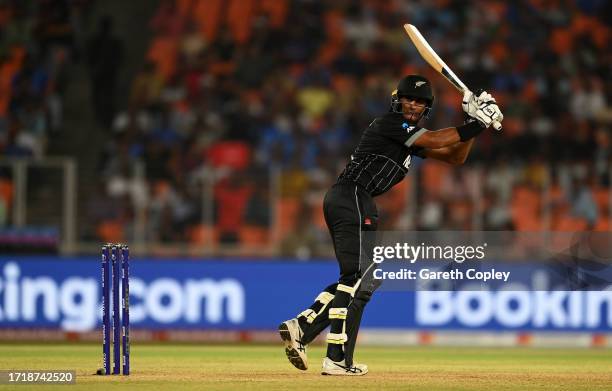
x=432, y=58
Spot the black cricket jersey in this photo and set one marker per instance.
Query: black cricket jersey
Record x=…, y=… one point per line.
x=383, y=156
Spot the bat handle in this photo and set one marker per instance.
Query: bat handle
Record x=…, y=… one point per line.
x=497, y=125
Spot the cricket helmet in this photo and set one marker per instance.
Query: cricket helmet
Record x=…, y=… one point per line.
x=413, y=86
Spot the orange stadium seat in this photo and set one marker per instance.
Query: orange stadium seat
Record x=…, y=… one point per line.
x=570, y=224
x=433, y=176
x=561, y=41
x=207, y=14
x=234, y=154
x=342, y=84
x=286, y=214
x=556, y=195
x=329, y=52
x=6, y=191
x=496, y=8
x=530, y=92
x=499, y=51
x=602, y=199
x=581, y=24
x=526, y=197
x=111, y=231
x=601, y=35
x=184, y=7
x=222, y=68
x=200, y=235
x=5, y=14
x=603, y=224
x=276, y=10
x=334, y=25
x=240, y=19
x=163, y=51
x=527, y=222
x=251, y=235
x=318, y=217
x=525, y=209
x=334, y=21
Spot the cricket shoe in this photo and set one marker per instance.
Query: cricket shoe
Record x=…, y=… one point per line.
x=291, y=333
x=339, y=368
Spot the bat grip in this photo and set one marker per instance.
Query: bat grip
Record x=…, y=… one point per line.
x=497, y=125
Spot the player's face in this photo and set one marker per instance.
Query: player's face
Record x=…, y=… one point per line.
x=413, y=108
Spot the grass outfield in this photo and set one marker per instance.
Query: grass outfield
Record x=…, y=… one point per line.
x=243, y=367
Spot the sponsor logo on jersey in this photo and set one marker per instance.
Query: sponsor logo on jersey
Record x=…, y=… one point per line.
x=407, y=127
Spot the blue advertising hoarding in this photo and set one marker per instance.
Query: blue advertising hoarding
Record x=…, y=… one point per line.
x=55, y=292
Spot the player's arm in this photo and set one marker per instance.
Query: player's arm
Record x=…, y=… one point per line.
x=455, y=154
x=435, y=139
x=453, y=144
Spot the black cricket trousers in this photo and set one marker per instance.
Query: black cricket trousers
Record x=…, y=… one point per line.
x=349, y=211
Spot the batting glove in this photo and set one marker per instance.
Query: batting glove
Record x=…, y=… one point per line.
x=482, y=107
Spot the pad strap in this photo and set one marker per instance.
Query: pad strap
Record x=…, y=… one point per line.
x=348, y=289
x=338, y=339
x=309, y=314
x=338, y=313
x=325, y=297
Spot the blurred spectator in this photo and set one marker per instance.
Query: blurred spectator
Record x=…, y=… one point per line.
x=37, y=43
x=215, y=97
x=497, y=213
x=583, y=203
x=146, y=87
x=302, y=242
x=588, y=98
x=105, y=57
x=258, y=208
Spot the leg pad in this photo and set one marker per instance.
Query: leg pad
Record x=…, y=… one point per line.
x=324, y=298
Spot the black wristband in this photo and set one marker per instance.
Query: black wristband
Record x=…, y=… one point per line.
x=419, y=151
x=469, y=130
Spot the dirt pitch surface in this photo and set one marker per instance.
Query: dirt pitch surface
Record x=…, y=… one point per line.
x=245, y=367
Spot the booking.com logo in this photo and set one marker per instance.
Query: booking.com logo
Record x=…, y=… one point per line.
x=74, y=302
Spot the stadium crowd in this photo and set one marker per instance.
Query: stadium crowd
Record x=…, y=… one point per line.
x=248, y=90
x=38, y=41
x=258, y=86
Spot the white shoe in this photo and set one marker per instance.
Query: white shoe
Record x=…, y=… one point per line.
x=291, y=333
x=340, y=369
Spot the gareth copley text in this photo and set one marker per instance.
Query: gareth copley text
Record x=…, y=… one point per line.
x=407, y=252
x=427, y=274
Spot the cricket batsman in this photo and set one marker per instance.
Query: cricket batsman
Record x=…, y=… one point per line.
x=380, y=161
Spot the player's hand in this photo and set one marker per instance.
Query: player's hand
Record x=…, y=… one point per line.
x=482, y=108
x=484, y=100
x=484, y=97
x=469, y=104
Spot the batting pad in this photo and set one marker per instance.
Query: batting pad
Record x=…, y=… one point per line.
x=324, y=298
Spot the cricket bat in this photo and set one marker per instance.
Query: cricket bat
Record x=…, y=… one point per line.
x=432, y=58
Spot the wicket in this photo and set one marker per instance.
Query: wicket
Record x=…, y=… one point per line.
x=115, y=267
